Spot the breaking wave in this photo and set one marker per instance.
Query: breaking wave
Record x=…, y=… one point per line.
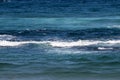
x=104, y=48
x=63, y=43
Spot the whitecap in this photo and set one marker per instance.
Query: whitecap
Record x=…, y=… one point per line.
x=104, y=48
x=114, y=26
x=6, y=37
x=67, y=44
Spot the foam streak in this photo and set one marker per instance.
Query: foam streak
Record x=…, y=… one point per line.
x=61, y=43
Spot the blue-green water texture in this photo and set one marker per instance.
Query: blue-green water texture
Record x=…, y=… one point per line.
x=59, y=40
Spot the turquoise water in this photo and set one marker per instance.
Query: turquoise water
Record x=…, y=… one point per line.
x=59, y=40
x=70, y=23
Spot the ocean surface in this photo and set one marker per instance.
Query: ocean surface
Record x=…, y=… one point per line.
x=59, y=39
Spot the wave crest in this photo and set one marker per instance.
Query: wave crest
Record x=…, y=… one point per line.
x=61, y=43
x=6, y=37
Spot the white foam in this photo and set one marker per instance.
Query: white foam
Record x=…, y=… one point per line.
x=114, y=26
x=83, y=43
x=15, y=43
x=103, y=48
x=61, y=43
x=74, y=43
x=6, y=37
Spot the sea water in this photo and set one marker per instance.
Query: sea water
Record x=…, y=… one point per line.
x=59, y=40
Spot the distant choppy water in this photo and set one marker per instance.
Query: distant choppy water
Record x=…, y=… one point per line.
x=59, y=40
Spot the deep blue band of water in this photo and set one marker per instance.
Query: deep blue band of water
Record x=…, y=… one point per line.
x=59, y=8
x=94, y=33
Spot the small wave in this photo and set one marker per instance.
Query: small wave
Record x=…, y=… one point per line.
x=6, y=37
x=114, y=26
x=61, y=43
x=7, y=65
x=103, y=48
x=18, y=43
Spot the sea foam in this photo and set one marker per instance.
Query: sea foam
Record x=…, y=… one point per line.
x=6, y=37
x=104, y=48
x=61, y=43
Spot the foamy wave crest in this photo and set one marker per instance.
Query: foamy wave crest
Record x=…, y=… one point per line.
x=83, y=43
x=114, y=26
x=6, y=37
x=15, y=43
x=61, y=43
x=52, y=43
x=104, y=48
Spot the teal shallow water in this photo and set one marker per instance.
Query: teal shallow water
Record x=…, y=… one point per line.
x=39, y=62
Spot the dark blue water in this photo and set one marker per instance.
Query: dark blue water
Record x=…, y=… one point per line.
x=59, y=40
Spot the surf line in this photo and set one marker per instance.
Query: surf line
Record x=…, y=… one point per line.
x=60, y=43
